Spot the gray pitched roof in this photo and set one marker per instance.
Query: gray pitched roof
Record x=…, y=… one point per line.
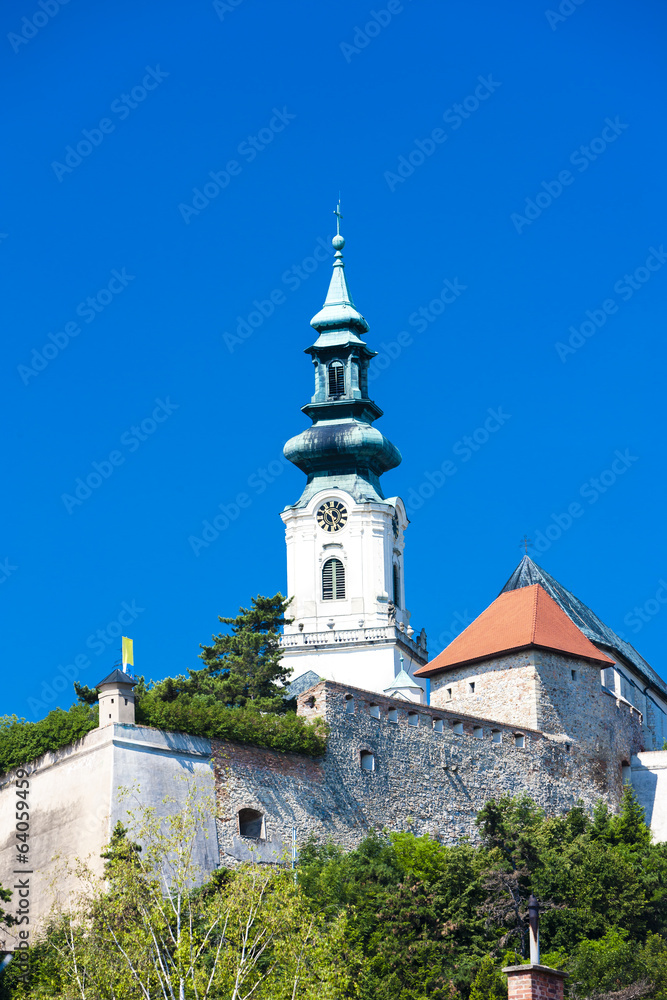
x=527, y=573
x=117, y=677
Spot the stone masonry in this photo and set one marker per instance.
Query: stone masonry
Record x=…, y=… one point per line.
x=428, y=770
x=559, y=695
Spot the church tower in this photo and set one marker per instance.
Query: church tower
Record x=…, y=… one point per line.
x=345, y=539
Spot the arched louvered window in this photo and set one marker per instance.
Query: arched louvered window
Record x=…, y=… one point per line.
x=336, y=379
x=397, y=586
x=333, y=580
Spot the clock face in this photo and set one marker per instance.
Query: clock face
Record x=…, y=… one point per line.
x=332, y=516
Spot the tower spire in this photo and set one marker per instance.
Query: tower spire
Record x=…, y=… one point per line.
x=342, y=448
x=339, y=310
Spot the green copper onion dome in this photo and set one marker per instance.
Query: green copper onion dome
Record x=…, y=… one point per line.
x=342, y=448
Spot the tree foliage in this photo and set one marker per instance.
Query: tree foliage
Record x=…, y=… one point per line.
x=400, y=917
x=22, y=742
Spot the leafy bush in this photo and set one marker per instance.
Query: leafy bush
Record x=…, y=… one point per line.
x=22, y=742
x=202, y=715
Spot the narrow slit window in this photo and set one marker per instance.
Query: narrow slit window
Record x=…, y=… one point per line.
x=449, y=694
x=336, y=379
x=333, y=580
x=349, y=704
x=471, y=687
x=397, y=586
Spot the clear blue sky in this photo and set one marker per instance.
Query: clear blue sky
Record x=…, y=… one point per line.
x=534, y=199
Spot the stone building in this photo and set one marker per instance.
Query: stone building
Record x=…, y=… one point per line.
x=536, y=696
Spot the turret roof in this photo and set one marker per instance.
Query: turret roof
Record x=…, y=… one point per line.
x=118, y=677
x=517, y=619
x=528, y=573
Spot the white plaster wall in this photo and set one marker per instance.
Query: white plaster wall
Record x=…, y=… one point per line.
x=370, y=667
x=649, y=780
x=162, y=765
x=74, y=803
x=69, y=800
x=367, y=548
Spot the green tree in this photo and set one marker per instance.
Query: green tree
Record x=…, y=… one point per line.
x=148, y=934
x=245, y=663
x=488, y=984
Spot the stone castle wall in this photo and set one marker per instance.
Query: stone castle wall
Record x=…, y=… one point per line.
x=429, y=777
x=556, y=694
x=432, y=770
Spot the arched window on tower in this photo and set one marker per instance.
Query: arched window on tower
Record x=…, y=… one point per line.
x=333, y=580
x=336, y=379
x=397, y=586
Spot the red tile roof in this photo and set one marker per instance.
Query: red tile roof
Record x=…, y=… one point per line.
x=518, y=619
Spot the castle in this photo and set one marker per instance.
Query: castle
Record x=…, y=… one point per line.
x=537, y=695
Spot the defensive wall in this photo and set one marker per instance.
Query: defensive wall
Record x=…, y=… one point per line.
x=389, y=764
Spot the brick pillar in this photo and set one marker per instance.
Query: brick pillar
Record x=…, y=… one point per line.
x=534, y=982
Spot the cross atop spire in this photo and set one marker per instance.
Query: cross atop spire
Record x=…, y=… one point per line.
x=339, y=216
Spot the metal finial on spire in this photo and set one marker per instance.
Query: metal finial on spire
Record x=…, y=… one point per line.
x=525, y=541
x=338, y=241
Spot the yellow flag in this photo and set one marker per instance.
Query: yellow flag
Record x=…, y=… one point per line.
x=128, y=652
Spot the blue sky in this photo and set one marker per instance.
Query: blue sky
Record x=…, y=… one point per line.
x=172, y=170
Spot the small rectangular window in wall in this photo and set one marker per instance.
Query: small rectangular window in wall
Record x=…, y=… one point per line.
x=449, y=694
x=375, y=711
x=458, y=728
x=437, y=725
x=471, y=687
x=519, y=740
x=496, y=736
x=574, y=674
x=478, y=733
x=413, y=719
x=392, y=715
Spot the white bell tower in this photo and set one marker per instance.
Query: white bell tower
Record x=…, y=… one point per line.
x=345, y=540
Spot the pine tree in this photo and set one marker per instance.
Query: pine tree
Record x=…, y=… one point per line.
x=630, y=827
x=488, y=984
x=246, y=663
